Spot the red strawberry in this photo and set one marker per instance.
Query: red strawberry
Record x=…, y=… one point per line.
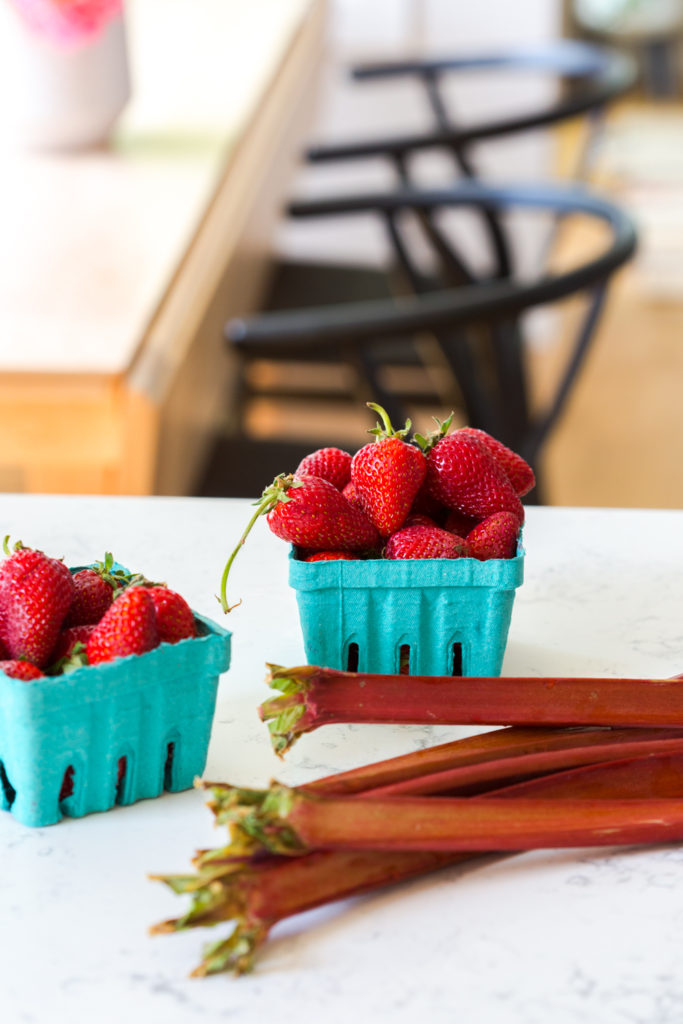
x=387, y=475
x=330, y=556
x=21, y=669
x=128, y=627
x=309, y=513
x=92, y=597
x=67, y=640
x=331, y=464
x=426, y=505
x=456, y=522
x=351, y=494
x=463, y=475
x=35, y=594
x=175, y=620
x=418, y=519
x=317, y=515
x=518, y=471
x=424, y=542
x=495, y=537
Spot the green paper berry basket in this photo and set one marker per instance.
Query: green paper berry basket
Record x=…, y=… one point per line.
x=110, y=734
x=440, y=616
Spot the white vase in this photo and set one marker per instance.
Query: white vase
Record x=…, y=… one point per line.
x=54, y=97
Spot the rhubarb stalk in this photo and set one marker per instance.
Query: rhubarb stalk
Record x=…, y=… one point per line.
x=312, y=696
x=467, y=766
x=289, y=821
x=259, y=895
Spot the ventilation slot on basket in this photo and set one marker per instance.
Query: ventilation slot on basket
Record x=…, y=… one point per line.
x=121, y=768
x=168, y=766
x=456, y=669
x=8, y=790
x=352, y=658
x=404, y=660
x=67, y=789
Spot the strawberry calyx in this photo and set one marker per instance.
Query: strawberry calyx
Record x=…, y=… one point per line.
x=119, y=579
x=17, y=546
x=272, y=495
x=77, y=658
x=428, y=441
x=385, y=429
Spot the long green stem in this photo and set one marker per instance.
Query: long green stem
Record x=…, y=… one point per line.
x=276, y=492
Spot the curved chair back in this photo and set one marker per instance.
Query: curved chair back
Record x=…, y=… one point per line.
x=489, y=371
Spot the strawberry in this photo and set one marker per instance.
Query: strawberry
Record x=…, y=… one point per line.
x=175, y=620
x=128, y=627
x=424, y=542
x=518, y=471
x=309, y=513
x=387, y=475
x=92, y=597
x=351, y=494
x=426, y=505
x=67, y=640
x=330, y=556
x=331, y=464
x=456, y=522
x=419, y=519
x=21, y=669
x=495, y=537
x=463, y=475
x=35, y=595
x=316, y=515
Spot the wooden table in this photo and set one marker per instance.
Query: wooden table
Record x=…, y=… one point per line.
x=119, y=267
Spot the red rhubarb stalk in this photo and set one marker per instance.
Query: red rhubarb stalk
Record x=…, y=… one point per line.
x=589, y=749
x=257, y=897
x=314, y=696
x=288, y=821
x=261, y=894
x=476, y=764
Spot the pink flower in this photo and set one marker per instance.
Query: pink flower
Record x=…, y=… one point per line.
x=69, y=22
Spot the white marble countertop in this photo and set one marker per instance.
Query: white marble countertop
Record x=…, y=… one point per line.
x=562, y=936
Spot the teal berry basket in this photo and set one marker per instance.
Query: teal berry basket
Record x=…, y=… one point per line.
x=110, y=734
x=436, y=617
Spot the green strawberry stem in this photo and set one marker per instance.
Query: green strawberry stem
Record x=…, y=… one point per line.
x=119, y=579
x=274, y=493
x=427, y=442
x=385, y=429
x=315, y=696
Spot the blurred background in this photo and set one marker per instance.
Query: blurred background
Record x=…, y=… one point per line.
x=197, y=216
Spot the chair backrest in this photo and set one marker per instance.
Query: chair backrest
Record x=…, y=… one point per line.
x=495, y=397
x=598, y=76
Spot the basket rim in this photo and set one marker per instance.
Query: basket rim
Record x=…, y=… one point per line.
x=496, y=573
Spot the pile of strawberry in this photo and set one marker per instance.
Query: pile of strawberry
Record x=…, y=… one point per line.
x=53, y=621
x=449, y=495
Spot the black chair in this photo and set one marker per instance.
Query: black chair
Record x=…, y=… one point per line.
x=593, y=77
x=477, y=325
x=485, y=360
